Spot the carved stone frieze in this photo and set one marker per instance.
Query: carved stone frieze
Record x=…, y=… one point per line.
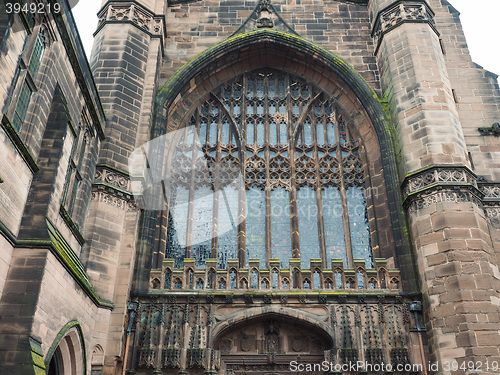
x=490, y=191
x=439, y=175
x=134, y=13
x=492, y=210
x=108, y=198
x=435, y=197
x=399, y=13
x=336, y=277
x=114, y=178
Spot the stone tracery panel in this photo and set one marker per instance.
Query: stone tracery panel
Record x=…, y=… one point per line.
x=283, y=134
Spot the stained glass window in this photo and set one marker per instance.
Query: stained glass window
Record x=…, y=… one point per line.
x=334, y=225
x=177, y=226
x=256, y=225
x=358, y=219
x=280, y=226
x=202, y=225
x=308, y=225
x=296, y=153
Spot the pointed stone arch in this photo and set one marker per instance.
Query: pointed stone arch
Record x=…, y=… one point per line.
x=235, y=320
x=294, y=54
x=67, y=354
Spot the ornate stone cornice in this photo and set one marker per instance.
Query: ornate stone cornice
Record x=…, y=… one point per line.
x=441, y=195
x=134, y=13
x=442, y=175
x=440, y=184
x=450, y=184
x=389, y=18
x=112, y=186
x=491, y=198
x=490, y=190
x=112, y=176
x=108, y=197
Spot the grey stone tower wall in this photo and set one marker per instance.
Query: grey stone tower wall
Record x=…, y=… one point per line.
x=432, y=87
x=127, y=51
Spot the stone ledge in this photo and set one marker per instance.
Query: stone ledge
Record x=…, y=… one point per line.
x=63, y=252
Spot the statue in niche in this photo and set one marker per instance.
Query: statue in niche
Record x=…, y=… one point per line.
x=272, y=338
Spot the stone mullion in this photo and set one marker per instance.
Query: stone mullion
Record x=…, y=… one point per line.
x=269, y=248
x=373, y=223
x=190, y=218
x=319, y=200
x=242, y=226
x=215, y=176
x=294, y=214
x=343, y=197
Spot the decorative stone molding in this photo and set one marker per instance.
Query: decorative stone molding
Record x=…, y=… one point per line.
x=492, y=211
x=444, y=184
x=264, y=16
x=438, y=176
x=357, y=279
x=108, y=198
x=113, y=177
x=490, y=190
x=448, y=196
x=440, y=184
x=397, y=14
x=491, y=198
x=134, y=13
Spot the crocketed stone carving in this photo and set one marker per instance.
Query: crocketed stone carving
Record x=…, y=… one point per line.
x=491, y=199
x=398, y=14
x=135, y=14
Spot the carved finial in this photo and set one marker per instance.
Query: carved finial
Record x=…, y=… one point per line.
x=265, y=14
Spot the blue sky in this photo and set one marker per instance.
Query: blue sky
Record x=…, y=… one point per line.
x=479, y=20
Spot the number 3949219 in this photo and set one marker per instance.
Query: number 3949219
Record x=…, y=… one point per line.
x=16, y=7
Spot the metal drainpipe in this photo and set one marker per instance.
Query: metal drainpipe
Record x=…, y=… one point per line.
x=132, y=309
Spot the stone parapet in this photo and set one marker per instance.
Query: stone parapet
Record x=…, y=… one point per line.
x=254, y=277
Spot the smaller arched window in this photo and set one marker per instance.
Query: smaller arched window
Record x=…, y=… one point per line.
x=233, y=282
x=275, y=279
x=254, y=281
x=317, y=279
x=168, y=279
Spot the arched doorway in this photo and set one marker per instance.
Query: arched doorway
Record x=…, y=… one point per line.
x=67, y=355
x=271, y=344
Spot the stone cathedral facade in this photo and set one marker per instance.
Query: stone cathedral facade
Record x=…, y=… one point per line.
x=315, y=181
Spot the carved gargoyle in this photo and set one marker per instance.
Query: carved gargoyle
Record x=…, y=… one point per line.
x=492, y=130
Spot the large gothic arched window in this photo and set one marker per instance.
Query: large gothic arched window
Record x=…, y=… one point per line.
x=302, y=176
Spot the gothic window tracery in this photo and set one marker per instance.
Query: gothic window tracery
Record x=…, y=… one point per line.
x=304, y=180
